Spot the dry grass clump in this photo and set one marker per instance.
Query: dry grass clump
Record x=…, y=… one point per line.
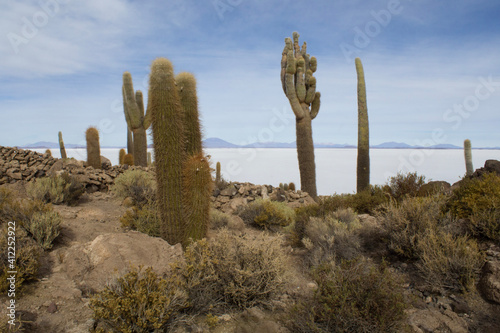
x=57, y=189
x=44, y=227
x=136, y=184
x=405, y=185
x=139, y=301
x=267, y=214
x=230, y=271
x=219, y=219
x=352, y=296
x=144, y=219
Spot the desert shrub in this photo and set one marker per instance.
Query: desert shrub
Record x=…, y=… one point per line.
x=407, y=222
x=231, y=271
x=332, y=237
x=44, y=227
x=404, y=185
x=139, y=301
x=144, y=219
x=448, y=262
x=56, y=189
x=9, y=207
x=267, y=214
x=218, y=219
x=26, y=261
x=137, y=184
x=478, y=201
x=366, y=202
x=353, y=296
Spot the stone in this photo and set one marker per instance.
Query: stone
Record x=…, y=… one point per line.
x=264, y=193
x=52, y=308
x=433, y=187
x=490, y=281
x=433, y=320
x=105, y=163
x=492, y=166
x=109, y=255
x=56, y=167
x=14, y=173
x=229, y=191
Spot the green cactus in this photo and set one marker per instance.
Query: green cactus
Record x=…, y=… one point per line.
x=170, y=155
x=363, y=164
x=128, y=159
x=93, y=148
x=217, y=173
x=150, y=159
x=198, y=186
x=186, y=86
x=137, y=121
x=291, y=187
x=61, y=146
x=469, y=168
x=130, y=141
x=299, y=85
x=121, y=155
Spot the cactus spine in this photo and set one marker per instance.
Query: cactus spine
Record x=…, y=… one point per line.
x=61, y=146
x=299, y=85
x=93, y=148
x=363, y=164
x=469, y=169
x=186, y=85
x=121, y=155
x=137, y=121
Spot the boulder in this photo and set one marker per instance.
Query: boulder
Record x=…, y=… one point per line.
x=490, y=280
x=492, y=166
x=92, y=264
x=105, y=163
x=433, y=320
x=434, y=187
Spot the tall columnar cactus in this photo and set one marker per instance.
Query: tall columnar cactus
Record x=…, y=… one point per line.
x=61, y=146
x=198, y=186
x=469, y=168
x=170, y=155
x=363, y=167
x=186, y=85
x=93, y=148
x=299, y=85
x=121, y=156
x=217, y=173
x=137, y=121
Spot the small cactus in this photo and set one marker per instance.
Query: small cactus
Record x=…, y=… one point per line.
x=48, y=152
x=291, y=187
x=61, y=146
x=93, y=148
x=469, y=168
x=121, y=155
x=128, y=159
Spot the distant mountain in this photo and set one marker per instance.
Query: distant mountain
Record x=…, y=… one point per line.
x=218, y=143
x=444, y=146
x=51, y=145
x=393, y=145
x=271, y=145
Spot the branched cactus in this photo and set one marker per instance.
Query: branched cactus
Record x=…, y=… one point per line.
x=198, y=186
x=469, y=168
x=299, y=85
x=170, y=155
x=363, y=167
x=93, y=148
x=186, y=85
x=137, y=121
x=121, y=156
x=61, y=146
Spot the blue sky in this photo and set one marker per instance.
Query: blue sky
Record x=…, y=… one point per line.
x=432, y=68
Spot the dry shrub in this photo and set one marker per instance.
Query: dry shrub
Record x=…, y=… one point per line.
x=353, y=296
x=56, y=189
x=330, y=237
x=144, y=219
x=405, y=185
x=232, y=271
x=219, y=219
x=136, y=184
x=44, y=227
x=448, y=262
x=267, y=214
x=407, y=222
x=478, y=201
x=139, y=301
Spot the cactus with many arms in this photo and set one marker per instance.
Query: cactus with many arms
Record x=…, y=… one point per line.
x=299, y=85
x=469, y=168
x=186, y=86
x=137, y=121
x=93, y=148
x=363, y=163
x=61, y=146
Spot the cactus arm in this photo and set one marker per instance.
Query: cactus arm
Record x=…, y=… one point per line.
x=132, y=111
x=316, y=103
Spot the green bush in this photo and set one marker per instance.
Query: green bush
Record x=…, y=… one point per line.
x=267, y=214
x=144, y=219
x=137, y=184
x=407, y=222
x=231, y=271
x=478, y=201
x=405, y=185
x=56, y=189
x=448, y=262
x=353, y=296
x=332, y=237
x=44, y=227
x=139, y=301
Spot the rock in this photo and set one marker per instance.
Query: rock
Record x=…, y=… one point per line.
x=237, y=202
x=229, y=191
x=433, y=320
x=14, y=173
x=108, y=255
x=492, y=166
x=434, y=187
x=264, y=193
x=105, y=163
x=52, y=308
x=490, y=281
x=56, y=167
